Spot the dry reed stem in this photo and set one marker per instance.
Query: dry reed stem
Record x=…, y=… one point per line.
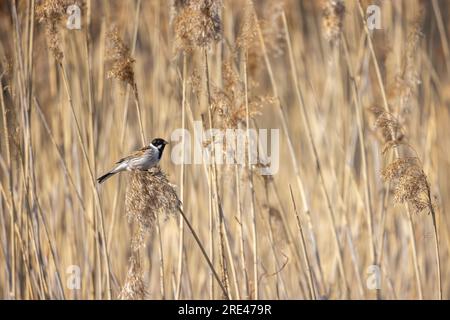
x=252, y=190
x=442, y=35
x=12, y=277
x=150, y=193
x=282, y=116
x=92, y=182
x=215, y=185
x=394, y=138
x=318, y=165
x=45, y=190
x=122, y=68
x=360, y=125
x=125, y=113
x=161, y=260
x=304, y=251
x=183, y=152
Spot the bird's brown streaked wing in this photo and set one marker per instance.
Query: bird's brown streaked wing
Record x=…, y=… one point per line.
x=134, y=154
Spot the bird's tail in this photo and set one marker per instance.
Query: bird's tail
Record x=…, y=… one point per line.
x=105, y=177
x=119, y=168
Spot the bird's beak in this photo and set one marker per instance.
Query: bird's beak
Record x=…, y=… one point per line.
x=165, y=142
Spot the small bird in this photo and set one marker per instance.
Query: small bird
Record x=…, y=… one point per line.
x=143, y=159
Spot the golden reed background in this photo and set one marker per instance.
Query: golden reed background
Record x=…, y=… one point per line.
x=364, y=139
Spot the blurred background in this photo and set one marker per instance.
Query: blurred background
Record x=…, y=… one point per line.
x=343, y=218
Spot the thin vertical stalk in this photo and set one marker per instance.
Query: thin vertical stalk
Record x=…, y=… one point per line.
x=241, y=231
x=12, y=276
x=181, y=222
x=436, y=243
x=303, y=246
x=359, y=122
x=283, y=120
x=92, y=182
x=205, y=255
x=318, y=165
x=127, y=94
x=386, y=107
x=161, y=260
x=214, y=182
x=252, y=190
x=442, y=35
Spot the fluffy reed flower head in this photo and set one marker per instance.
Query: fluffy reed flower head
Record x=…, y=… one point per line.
x=228, y=103
x=134, y=287
x=248, y=32
x=408, y=80
x=51, y=13
x=196, y=23
x=271, y=30
x=390, y=127
x=333, y=20
x=272, y=27
x=149, y=193
x=120, y=57
x=410, y=182
x=51, y=10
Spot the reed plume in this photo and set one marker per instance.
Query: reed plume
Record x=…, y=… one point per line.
x=119, y=56
x=134, y=287
x=50, y=13
x=333, y=20
x=228, y=103
x=148, y=194
x=196, y=23
x=309, y=231
x=122, y=63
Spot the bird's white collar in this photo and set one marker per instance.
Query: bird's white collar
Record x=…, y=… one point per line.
x=153, y=147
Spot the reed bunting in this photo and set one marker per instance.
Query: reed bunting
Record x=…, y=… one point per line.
x=143, y=159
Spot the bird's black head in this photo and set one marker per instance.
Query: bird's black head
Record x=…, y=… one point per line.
x=160, y=144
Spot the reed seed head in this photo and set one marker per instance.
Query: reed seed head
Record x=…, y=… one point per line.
x=134, y=287
x=120, y=57
x=228, y=103
x=272, y=32
x=248, y=32
x=408, y=80
x=333, y=20
x=410, y=182
x=391, y=129
x=148, y=194
x=51, y=13
x=196, y=23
